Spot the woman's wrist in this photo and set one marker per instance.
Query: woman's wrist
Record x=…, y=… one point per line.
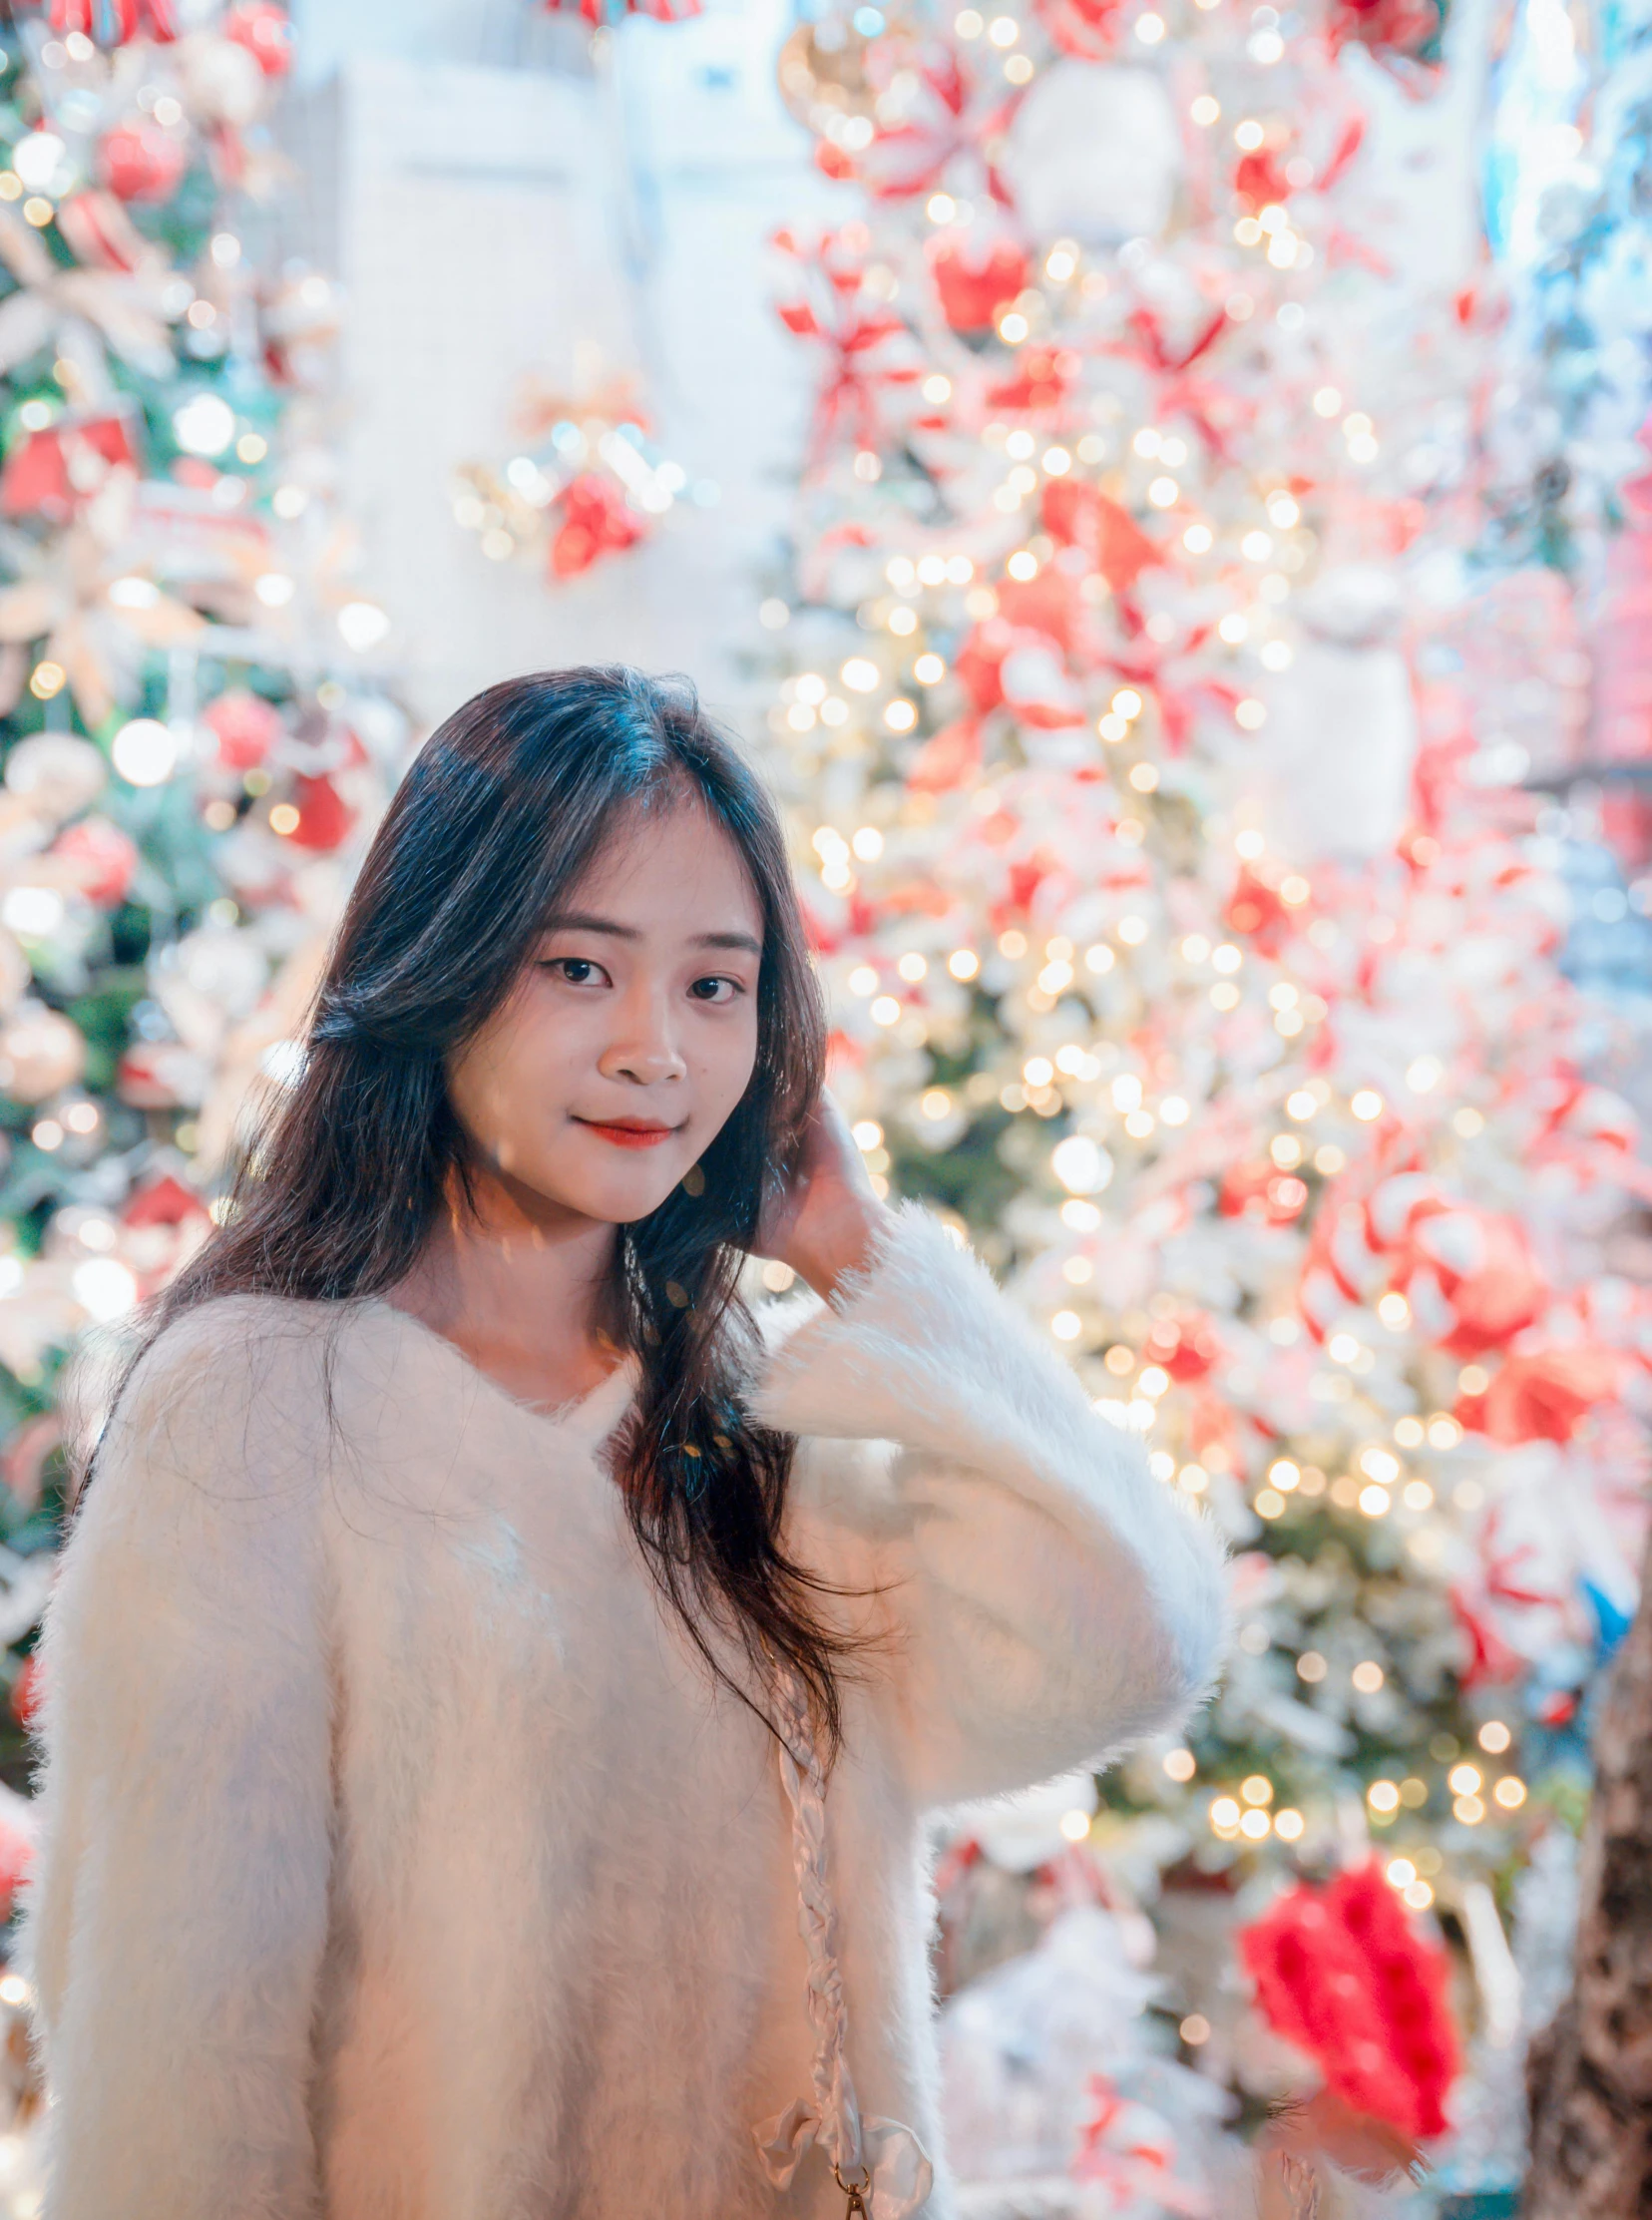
x=844, y=1246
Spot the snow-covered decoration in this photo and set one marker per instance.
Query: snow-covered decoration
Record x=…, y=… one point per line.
x=1156, y=739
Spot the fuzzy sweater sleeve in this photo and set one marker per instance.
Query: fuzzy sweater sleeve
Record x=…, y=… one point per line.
x=1042, y=1599
x=175, y=1919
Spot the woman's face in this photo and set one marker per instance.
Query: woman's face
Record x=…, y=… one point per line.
x=633, y=1032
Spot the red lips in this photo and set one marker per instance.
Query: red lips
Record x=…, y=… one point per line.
x=628, y=1133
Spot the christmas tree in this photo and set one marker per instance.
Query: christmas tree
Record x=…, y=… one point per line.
x=193, y=742
x=1155, y=687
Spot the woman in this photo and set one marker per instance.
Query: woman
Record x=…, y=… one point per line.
x=466, y=1612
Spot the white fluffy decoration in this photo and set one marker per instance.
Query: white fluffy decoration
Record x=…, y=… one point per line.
x=1337, y=753
x=1049, y=2045
x=1094, y=153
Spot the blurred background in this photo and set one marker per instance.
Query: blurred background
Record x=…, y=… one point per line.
x=514, y=219
x=1159, y=486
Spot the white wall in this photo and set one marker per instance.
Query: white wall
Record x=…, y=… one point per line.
x=489, y=220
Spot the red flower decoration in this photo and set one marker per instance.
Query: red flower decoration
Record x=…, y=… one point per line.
x=595, y=522
x=975, y=279
x=1341, y=1973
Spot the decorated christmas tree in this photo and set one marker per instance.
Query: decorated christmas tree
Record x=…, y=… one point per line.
x=192, y=741
x=1155, y=685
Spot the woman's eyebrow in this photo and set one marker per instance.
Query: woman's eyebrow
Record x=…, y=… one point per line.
x=587, y=921
x=729, y=940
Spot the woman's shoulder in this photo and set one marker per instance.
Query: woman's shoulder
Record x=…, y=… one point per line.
x=239, y=1330
x=231, y=1358
x=209, y=1458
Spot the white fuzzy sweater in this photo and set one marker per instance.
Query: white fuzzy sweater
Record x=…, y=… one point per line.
x=401, y=1862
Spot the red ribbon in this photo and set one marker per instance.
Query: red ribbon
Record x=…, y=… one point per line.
x=113, y=22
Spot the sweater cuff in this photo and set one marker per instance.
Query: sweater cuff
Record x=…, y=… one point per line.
x=918, y=1346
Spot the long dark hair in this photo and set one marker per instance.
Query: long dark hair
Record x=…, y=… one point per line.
x=499, y=814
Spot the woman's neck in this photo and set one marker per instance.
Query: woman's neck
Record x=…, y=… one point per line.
x=516, y=1284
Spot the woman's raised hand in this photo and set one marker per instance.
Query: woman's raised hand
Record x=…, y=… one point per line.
x=822, y=1220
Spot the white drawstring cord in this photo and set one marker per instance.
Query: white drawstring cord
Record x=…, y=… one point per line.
x=879, y=2164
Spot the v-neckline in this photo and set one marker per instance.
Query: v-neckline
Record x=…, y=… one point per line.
x=567, y=1416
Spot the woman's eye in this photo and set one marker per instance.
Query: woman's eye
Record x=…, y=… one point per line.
x=579, y=971
x=712, y=989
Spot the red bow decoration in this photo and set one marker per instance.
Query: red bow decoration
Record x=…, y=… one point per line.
x=1341, y=1973
x=870, y=349
x=1471, y=1276
x=1542, y=1394
x=948, y=114
x=1468, y=1274
x=1207, y=404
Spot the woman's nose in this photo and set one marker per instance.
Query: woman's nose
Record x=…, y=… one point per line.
x=644, y=1049
x=648, y=1064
